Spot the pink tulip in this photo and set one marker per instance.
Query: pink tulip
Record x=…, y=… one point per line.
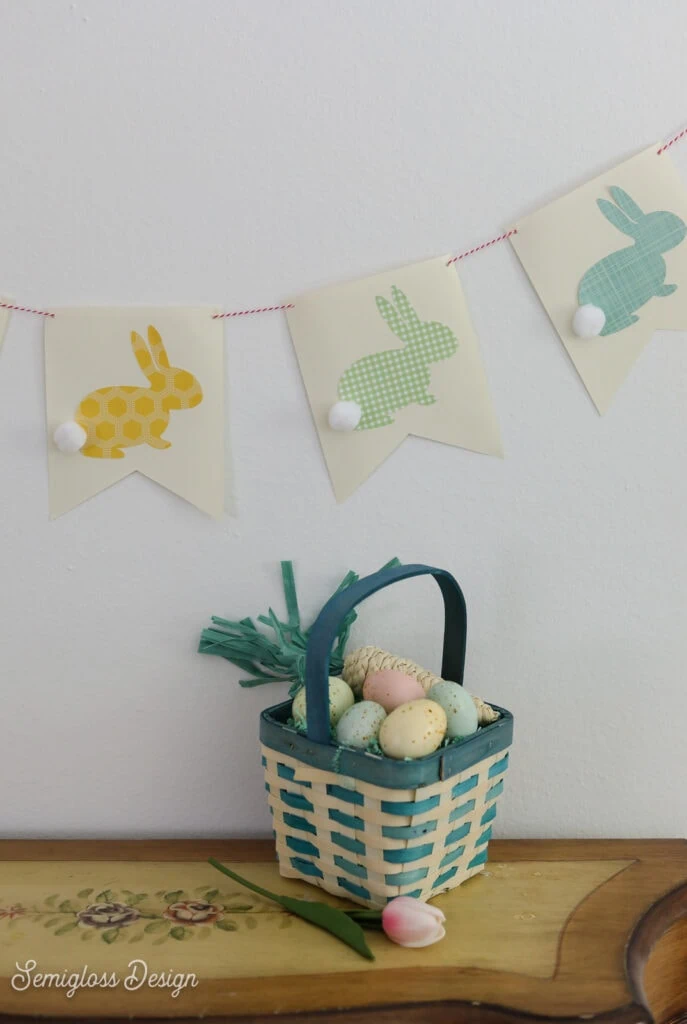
x=412, y=923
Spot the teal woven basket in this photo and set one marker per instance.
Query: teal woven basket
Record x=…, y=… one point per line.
x=366, y=827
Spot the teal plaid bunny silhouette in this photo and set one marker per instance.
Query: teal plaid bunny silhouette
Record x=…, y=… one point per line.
x=384, y=382
x=623, y=282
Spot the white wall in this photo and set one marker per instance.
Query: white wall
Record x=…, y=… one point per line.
x=205, y=150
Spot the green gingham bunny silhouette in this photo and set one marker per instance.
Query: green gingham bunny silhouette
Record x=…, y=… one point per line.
x=384, y=382
x=621, y=283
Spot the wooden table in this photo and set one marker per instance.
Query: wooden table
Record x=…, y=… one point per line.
x=571, y=930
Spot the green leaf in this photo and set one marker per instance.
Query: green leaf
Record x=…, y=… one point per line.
x=52, y=921
x=88, y=933
x=180, y=933
x=240, y=908
x=156, y=926
x=225, y=925
x=211, y=894
x=127, y=895
x=174, y=897
x=50, y=902
x=160, y=893
x=67, y=907
x=84, y=894
x=106, y=896
x=68, y=927
x=334, y=921
x=137, y=938
x=110, y=935
x=163, y=938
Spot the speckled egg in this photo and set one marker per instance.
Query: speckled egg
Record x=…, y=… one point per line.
x=391, y=688
x=360, y=725
x=414, y=730
x=461, y=713
x=340, y=699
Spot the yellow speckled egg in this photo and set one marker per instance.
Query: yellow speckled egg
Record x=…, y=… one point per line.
x=340, y=699
x=415, y=729
x=391, y=688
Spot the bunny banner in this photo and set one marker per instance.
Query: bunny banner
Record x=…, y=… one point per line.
x=609, y=263
x=144, y=388
x=396, y=352
x=141, y=389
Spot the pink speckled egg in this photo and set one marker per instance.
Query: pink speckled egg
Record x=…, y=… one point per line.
x=391, y=688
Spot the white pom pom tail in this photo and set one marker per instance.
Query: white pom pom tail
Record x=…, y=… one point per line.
x=588, y=321
x=344, y=416
x=70, y=437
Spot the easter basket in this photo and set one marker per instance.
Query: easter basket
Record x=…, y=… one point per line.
x=364, y=826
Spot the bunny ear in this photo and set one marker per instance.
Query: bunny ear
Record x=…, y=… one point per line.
x=626, y=203
x=390, y=314
x=142, y=353
x=616, y=217
x=403, y=306
x=157, y=348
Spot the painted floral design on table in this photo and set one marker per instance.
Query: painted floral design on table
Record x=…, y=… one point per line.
x=126, y=916
x=107, y=915
x=11, y=912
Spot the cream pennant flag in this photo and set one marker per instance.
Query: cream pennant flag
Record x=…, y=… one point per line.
x=135, y=390
x=609, y=263
x=388, y=356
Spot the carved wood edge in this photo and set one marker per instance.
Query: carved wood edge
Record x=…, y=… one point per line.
x=650, y=928
x=442, y=1012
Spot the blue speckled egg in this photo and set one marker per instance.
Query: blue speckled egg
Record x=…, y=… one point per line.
x=359, y=725
x=461, y=713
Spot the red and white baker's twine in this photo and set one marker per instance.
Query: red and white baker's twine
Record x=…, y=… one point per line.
x=671, y=142
x=484, y=245
x=249, y=312
x=289, y=305
x=26, y=309
x=285, y=305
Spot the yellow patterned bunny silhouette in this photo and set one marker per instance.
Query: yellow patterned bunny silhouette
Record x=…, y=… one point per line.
x=122, y=417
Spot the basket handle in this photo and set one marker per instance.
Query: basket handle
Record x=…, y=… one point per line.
x=324, y=630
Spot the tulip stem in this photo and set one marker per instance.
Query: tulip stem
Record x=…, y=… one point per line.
x=244, y=881
x=374, y=924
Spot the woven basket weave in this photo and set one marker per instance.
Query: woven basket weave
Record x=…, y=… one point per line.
x=366, y=827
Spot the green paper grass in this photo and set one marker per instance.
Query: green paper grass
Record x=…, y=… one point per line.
x=280, y=659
